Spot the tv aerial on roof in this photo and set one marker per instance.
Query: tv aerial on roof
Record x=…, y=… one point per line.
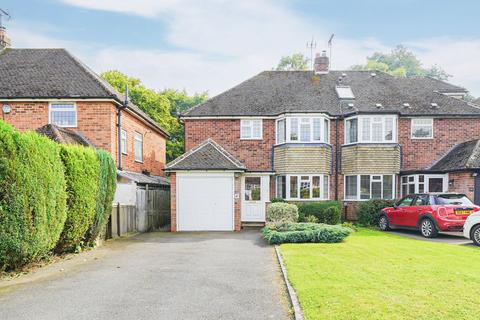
x=3, y=13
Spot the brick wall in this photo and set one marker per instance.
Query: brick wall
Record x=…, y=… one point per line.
x=97, y=120
x=462, y=182
x=255, y=154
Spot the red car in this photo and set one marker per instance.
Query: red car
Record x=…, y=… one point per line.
x=429, y=213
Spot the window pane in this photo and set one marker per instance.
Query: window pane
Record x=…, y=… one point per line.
x=351, y=187
x=422, y=128
x=325, y=187
x=411, y=188
x=257, y=129
x=281, y=131
x=405, y=202
x=294, y=129
x=352, y=131
x=252, y=189
x=326, y=131
x=421, y=188
x=316, y=129
x=305, y=130
x=124, y=141
x=376, y=190
x=387, y=187
x=293, y=187
x=388, y=129
x=246, y=129
x=377, y=135
x=138, y=147
x=63, y=118
x=404, y=189
x=315, y=187
x=365, y=187
x=281, y=190
x=304, y=187
x=435, y=184
x=365, y=129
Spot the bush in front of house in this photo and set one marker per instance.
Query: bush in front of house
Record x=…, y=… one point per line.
x=311, y=219
x=369, y=211
x=107, y=183
x=304, y=233
x=82, y=176
x=275, y=200
x=282, y=212
x=32, y=196
x=321, y=210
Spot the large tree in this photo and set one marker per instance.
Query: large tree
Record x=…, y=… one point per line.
x=401, y=62
x=294, y=62
x=162, y=106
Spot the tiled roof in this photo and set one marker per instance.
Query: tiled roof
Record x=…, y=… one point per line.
x=462, y=156
x=207, y=156
x=63, y=135
x=272, y=93
x=54, y=74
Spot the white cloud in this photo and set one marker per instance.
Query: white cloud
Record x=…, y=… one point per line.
x=219, y=43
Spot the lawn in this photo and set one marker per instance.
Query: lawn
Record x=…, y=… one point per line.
x=376, y=275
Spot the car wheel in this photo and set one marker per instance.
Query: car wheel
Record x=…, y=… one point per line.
x=383, y=223
x=475, y=235
x=428, y=228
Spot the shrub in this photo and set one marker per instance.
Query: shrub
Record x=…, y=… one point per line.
x=311, y=219
x=318, y=209
x=282, y=212
x=81, y=174
x=107, y=183
x=369, y=211
x=304, y=233
x=275, y=200
x=32, y=196
x=349, y=225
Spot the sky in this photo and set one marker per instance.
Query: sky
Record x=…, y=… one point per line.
x=212, y=45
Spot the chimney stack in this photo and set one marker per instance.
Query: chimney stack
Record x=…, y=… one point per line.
x=321, y=63
x=4, y=39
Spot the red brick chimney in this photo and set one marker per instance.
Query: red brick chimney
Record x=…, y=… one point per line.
x=4, y=39
x=321, y=63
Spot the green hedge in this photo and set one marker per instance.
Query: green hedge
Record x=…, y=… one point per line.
x=369, y=211
x=304, y=233
x=82, y=175
x=319, y=210
x=32, y=196
x=107, y=183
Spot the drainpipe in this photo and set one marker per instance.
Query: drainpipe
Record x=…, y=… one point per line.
x=119, y=126
x=337, y=121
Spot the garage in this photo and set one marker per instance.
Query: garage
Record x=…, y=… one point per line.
x=205, y=202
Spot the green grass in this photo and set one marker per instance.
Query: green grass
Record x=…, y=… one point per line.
x=375, y=275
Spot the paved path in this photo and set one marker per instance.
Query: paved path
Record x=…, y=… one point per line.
x=450, y=237
x=156, y=276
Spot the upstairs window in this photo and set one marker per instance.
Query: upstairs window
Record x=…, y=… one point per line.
x=422, y=128
x=251, y=129
x=281, y=130
x=63, y=114
x=303, y=130
x=138, y=147
x=371, y=129
x=124, y=142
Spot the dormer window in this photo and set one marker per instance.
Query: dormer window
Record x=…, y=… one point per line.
x=304, y=129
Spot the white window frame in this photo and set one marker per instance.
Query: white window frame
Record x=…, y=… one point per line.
x=358, y=198
x=324, y=194
x=136, y=139
x=124, y=139
x=324, y=121
x=383, y=118
x=248, y=123
x=66, y=109
x=416, y=182
x=412, y=125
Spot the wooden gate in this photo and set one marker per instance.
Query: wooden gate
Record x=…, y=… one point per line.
x=153, y=207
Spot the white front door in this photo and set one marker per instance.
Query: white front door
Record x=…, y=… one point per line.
x=255, y=195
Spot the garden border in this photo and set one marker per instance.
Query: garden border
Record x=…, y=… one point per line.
x=297, y=310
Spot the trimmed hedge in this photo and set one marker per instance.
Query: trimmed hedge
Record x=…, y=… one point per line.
x=319, y=210
x=107, y=184
x=32, y=196
x=282, y=212
x=81, y=174
x=304, y=233
x=369, y=211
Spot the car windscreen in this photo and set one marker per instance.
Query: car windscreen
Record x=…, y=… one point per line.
x=453, y=199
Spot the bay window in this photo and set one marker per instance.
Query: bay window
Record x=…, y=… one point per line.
x=424, y=183
x=366, y=187
x=251, y=129
x=371, y=129
x=303, y=130
x=303, y=187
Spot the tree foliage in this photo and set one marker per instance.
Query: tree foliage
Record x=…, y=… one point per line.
x=162, y=106
x=401, y=62
x=294, y=62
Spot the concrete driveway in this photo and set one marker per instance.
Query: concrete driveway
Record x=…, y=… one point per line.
x=156, y=276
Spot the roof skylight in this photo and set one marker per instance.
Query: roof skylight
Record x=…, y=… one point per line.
x=344, y=92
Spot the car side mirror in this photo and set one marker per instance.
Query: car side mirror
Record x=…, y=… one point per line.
x=395, y=206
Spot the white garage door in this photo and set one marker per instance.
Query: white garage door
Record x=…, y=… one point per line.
x=204, y=202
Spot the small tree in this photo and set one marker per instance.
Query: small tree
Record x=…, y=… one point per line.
x=295, y=62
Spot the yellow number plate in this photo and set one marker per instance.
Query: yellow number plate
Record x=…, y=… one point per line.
x=463, y=212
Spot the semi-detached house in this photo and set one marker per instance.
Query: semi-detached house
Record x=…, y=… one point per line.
x=317, y=135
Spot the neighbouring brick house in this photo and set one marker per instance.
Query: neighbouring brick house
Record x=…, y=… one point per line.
x=317, y=135
x=50, y=86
